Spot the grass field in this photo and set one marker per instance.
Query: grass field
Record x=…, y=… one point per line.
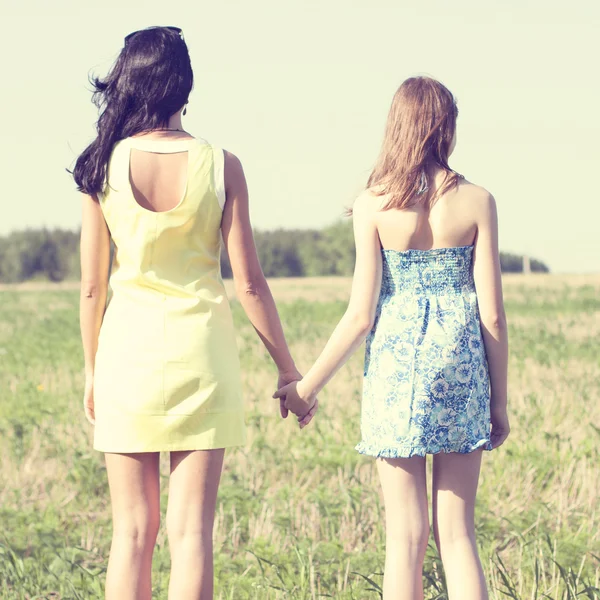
x=300, y=514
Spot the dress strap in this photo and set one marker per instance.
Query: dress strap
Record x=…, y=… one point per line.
x=164, y=146
x=219, y=174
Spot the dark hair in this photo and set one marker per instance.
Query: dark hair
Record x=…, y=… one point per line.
x=150, y=81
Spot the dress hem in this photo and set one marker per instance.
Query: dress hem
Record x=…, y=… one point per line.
x=173, y=448
x=137, y=434
x=379, y=452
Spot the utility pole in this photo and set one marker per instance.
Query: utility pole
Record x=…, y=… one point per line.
x=526, y=264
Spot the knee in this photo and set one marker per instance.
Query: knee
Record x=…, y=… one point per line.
x=138, y=531
x=452, y=530
x=411, y=536
x=197, y=532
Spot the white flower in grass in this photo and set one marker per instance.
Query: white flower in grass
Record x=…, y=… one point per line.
x=439, y=388
x=464, y=373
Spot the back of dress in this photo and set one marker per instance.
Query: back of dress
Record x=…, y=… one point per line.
x=175, y=252
x=426, y=383
x=167, y=369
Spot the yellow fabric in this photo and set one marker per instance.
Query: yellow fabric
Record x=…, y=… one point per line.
x=167, y=373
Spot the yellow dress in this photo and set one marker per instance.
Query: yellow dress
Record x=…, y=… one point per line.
x=167, y=373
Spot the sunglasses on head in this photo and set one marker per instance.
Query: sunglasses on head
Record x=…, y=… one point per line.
x=177, y=30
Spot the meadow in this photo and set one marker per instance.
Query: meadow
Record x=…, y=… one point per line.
x=300, y=514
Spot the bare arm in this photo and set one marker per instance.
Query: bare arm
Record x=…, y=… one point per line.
x=488, y=281
x=358, y=319
x=250, y=284
x=95, y=252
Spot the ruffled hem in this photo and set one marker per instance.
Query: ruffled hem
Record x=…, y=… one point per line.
x=409, y=451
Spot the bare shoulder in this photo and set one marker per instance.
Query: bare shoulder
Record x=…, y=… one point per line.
x=232, y=162
x=367, y=204
x=478, y=199
x=233, y=170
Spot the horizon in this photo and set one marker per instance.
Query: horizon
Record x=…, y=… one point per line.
x=300, y=92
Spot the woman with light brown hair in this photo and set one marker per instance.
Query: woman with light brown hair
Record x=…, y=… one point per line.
x=427, y=297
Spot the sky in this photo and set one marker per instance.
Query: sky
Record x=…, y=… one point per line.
x=299, y=90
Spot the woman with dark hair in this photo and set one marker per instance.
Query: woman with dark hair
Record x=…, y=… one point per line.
x=161, y=363
x=427, y=297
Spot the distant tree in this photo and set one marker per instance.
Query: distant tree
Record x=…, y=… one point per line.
x=10, y=262
x=513, y=263
x=39, y=252
x=537, y=266
x=339, y=239
x=330, y=251
x=279, y=254
x=54, y=254
x=53, y=260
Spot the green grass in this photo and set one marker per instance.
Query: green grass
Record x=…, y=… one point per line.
x=300, y=515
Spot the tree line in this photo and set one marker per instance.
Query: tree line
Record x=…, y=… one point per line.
x=54, y=254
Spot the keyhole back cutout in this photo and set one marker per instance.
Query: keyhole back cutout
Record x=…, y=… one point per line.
x=158, y=179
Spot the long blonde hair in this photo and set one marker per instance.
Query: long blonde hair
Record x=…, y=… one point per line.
x=418, y=137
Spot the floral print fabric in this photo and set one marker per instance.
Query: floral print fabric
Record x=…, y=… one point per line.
x=426, y=384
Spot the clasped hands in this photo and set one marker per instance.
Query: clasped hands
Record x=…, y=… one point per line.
x=294, y=398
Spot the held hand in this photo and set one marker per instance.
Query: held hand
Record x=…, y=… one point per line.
x=500, y=428
x=302, y=404
x=308, y=417
x=88, y=400
x=285, y=378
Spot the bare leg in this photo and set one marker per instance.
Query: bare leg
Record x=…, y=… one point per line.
x=404, y=485
x=135, y=496
x=455, y=478
x=193, y=490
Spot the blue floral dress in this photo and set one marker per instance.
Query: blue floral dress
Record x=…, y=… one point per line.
x=426, y=383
